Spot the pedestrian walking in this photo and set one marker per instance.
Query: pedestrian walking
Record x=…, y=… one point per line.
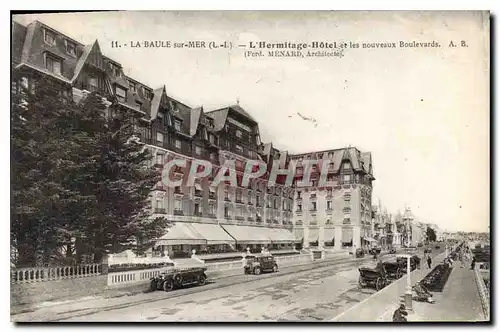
x=473, y=263
x=429, y=261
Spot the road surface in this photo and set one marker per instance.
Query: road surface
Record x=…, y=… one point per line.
x=306, y=296
x=312, y=295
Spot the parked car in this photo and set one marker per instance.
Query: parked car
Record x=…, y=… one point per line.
x=437, y=247
x=420, y=245
x=260, y=263
x=427, y=251
x=374, y=251
x=178, y=278
x=360, y=253
x=392, y=251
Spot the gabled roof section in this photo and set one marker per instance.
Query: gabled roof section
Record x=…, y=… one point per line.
x=338, y=156
x=30, y=33
x=83, y=59
x=158, y=94
x=238, y=109
x=18, y=37
x=354, y=156
x=195, y=120
x=219, y=117
x=366, y=157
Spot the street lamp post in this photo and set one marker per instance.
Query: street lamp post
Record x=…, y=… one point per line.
x=408, y=294
x=446, y=248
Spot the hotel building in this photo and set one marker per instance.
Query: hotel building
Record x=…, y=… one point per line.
x=205, y=218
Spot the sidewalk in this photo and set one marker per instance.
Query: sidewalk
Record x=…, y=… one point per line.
x=459, y=300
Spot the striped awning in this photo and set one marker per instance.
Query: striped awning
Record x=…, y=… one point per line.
x=329, y=234
x=279, y=235
x=347, y=234
x=259, y=235
x=248, y=234
x=299, y=234
x=180, y=233
x=313, y=235
x=214, y=234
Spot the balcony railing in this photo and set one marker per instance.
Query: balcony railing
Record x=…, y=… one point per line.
x=227, y=217
x=240, y=218
x=313, y=196
x=198, y=193
x=160, y=210
x=227, y=199
x=178, y=213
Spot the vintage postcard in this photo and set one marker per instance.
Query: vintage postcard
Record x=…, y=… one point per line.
x=250, y=166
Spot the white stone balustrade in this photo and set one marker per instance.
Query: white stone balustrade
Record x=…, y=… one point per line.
x=39, y=274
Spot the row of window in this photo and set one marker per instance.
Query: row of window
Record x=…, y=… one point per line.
x=50, y=38
x=345, y=166
x=314, y=206
x=314, y=156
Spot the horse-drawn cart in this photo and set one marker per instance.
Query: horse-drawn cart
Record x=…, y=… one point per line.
x=373, y=276
x=393, y=269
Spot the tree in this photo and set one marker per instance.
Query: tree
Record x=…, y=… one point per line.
x=119, y=177
x=431, y=234
x=78, y=179
x=39, y=146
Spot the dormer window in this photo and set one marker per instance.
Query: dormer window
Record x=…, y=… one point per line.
x=70, y=48
x=53, y=64
x=49, y=37
x=238, y=133
x=132, y=86
x=121, y=93
x=138, y=104
x=177, y=125
x=346, y=166
x=93, y=84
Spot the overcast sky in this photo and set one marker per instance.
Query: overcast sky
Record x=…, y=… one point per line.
x=423, y=113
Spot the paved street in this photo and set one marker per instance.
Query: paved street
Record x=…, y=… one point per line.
x=307, y=296
x=304, y=293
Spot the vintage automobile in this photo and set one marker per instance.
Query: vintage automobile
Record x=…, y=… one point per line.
x=427, y=251
x=360, y=253
x=420, y=245
x=373, y=276
x=392, y=251
x=437, y=247
x=255, y=264
x=375, y=250
x=178, y=278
